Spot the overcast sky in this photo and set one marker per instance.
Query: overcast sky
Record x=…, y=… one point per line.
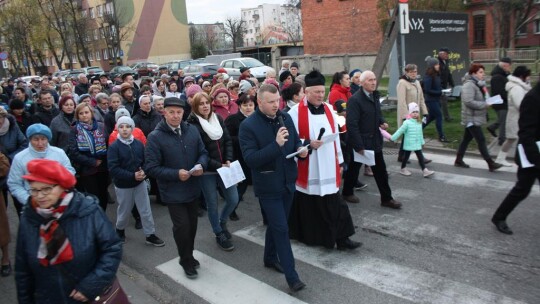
x=211, y=11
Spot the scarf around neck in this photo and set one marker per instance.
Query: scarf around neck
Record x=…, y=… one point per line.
x=91, y=139
x=5, y=127
x=54, y=247
x=211, y=126
x=126, y=141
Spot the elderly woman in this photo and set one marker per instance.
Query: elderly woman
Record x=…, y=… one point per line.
x=355, y=80
x=473, y=115
x=88, y=153
x=159, y=104
x=39, y=136
x=146, y=118
x=56, y=260
x=218, y=143
x=207, y=87
x=409, y=90
x=68, y=87
x=173, y=90
x=61, y=124
x=222, y=104
x=234, y=89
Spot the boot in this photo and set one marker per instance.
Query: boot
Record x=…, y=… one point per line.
x=459, y=162
x=493, y=165
x=501, y=159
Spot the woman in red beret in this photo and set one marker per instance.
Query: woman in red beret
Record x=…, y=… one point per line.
x=67, y=249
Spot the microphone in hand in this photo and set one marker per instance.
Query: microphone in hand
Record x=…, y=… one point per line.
x=321, y=133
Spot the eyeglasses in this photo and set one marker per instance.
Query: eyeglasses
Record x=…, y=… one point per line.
x=44, y=191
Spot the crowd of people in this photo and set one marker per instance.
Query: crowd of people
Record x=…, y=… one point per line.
x=64, y=143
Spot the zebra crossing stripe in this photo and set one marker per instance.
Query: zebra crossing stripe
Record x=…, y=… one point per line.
x=385, y=276
x=220, y=283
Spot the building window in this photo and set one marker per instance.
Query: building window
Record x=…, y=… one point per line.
x=73, y=59
x=102, y=32
x=522, y=30
x=84, y=13
x=479, y=27
x=92, y=13
x=96, y=34
x=105, y=54
x=91, y=56
x=100, y=10
x=98, y=55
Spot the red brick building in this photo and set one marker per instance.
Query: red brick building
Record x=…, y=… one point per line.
x=340, y=26
x=481, y=29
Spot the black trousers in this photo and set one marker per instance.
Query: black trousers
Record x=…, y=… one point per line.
x=184, y=218
x=96, y=184
x=350, y=176
x=379, y=173
x=526, y=178
x=476, y=133
x=419, y=155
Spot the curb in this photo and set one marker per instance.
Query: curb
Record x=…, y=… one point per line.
x=139, y=289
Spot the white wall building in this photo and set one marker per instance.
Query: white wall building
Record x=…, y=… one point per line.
x=271, y=23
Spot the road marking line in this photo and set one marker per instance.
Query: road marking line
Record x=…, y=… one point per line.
x=220, y=283
x=385, y=276
x=479, y=183
x=473, y=162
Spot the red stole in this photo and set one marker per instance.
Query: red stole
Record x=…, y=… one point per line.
x=303, y=132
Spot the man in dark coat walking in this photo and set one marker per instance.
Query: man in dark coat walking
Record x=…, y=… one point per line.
x=364, y=118
x=498, y=87
x=447, y=81
x=529, y=138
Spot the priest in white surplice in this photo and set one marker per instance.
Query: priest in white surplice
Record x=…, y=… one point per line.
x=318, y=215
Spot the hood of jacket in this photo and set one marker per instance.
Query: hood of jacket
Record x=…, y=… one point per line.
x=80, y=206
x=499, y=71
x=514, y=81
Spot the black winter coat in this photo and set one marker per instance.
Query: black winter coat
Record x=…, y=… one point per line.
x=447, y=80
x=25, y=122
x=219, y=151
x=147, y=121
x=166, y=153
x=44, y=116
x=529, y=126
x=123, y=161
x=363, y=120
x=498, y=87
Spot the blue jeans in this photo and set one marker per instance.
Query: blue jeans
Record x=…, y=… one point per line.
x=434, y=109
x=277, y=246
x=209, y=184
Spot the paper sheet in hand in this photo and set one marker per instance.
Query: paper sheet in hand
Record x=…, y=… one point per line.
x=195, y=168
x=494, y=100
x=525, y=163
x=304, y=148
x=329, y=137
x=231, y=175
x=368, y=158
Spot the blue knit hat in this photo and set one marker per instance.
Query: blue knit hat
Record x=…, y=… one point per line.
x=39, y=129
x=351, y=74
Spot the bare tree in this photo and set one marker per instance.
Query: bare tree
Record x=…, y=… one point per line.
x=114, y=29
x=503, y=12
x=235, y=29
x=292, y=25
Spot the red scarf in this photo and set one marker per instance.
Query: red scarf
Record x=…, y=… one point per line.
x=303, y=132
x=54, y=247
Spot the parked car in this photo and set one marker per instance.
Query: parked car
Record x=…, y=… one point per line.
x=28, y=79
x=122, y=69
x=175, y=65
x=204, y=70
x=74, y=74
x=257, y=68
x=146, y=68
x=93, y=70
x=61, y=73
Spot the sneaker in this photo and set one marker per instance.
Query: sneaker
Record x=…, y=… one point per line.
x=121, y=235
x=504, y=163
x=427, y=172
x=405, y=172
x=152, y=239
x=225, y=230
x=223, y=242
x=443, y=139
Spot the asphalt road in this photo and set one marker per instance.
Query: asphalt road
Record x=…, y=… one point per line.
x=440, y=248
